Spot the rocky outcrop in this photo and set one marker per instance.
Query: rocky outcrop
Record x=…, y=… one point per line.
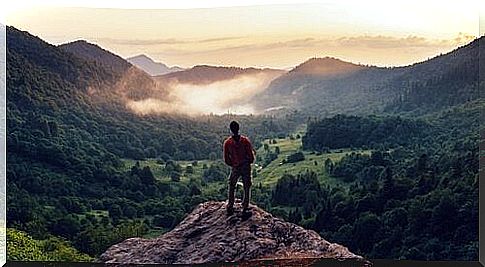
x=208, y=235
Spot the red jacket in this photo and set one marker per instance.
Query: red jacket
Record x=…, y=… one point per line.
x=237, y=153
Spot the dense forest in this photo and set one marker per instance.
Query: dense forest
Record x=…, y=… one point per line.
x=84, y=172
x=343, y=131
x=410, y=200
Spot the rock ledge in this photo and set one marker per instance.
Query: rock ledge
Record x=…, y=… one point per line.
x=208, y=235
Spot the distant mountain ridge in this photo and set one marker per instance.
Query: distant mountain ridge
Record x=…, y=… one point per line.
x=205, y=74
x=152, y=67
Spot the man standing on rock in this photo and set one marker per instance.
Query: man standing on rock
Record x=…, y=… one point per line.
x=238, y=153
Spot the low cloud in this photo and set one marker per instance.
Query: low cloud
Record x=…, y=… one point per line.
x=364, y=41
x=388, y=42
x=227, y=96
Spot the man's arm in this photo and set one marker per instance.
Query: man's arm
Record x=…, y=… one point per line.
x=250, y=151
x=226, y=156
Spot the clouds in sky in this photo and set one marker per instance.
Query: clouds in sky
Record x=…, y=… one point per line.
x=168, y=41
x=278, y=36
x=247, y=51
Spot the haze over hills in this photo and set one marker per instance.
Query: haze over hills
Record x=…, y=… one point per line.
x=330, y=86
x=317, y=86
x=150, y=66
x=69, y=80
x=210, y=89
x=198, y=90
x=131, y=82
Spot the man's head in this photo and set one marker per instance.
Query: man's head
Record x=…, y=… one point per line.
x=234, y=127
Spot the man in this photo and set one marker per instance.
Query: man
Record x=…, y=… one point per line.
x=238, y=153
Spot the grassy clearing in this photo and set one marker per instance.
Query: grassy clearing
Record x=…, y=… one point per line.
x=313, y=161
x=269, y=175
x=98, y=213
x=158, y=169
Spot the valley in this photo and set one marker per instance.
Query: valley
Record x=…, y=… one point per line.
x=381, y=160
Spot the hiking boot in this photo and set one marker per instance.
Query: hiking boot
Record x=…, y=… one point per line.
x=230, y=211
x=246, y=213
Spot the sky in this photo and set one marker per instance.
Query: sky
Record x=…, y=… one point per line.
x=275, y=34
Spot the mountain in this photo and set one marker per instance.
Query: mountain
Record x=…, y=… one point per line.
x=92, y=52
x=132, y=82
x=325, y=86
x=24, y=47
x=151, y=67
x=328, y=86
x=325, y=67
x=208, y=235
x=204, y=74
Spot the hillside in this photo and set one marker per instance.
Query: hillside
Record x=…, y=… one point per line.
x=39, y=71
x=92, y=52
x=24, y=47
x=343, y=131
x=150, y=66
x=315, y=88
x=226, y=239
x=131, y=82
x=348, y=89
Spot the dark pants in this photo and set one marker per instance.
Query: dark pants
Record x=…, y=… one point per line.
x=243, y=171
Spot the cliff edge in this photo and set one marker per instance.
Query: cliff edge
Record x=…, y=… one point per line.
x=208, y=235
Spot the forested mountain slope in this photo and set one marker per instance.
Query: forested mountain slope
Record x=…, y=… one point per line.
x=416, y=195
x=92, y=52
x=131, y=82
x=432, y=85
